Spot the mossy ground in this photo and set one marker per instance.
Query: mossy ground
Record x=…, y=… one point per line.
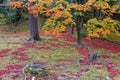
x=59, y=56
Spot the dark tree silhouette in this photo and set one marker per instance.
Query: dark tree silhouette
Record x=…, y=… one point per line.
x=79, y=23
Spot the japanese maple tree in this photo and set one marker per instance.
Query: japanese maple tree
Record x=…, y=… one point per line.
x=103, y=24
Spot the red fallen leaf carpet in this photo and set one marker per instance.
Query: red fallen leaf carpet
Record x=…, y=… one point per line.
x=61, y=56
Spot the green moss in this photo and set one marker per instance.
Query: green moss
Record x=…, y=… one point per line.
x=59, y=53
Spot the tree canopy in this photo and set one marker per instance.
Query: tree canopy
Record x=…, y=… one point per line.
x=58, y=15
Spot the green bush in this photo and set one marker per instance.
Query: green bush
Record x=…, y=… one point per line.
x=114, y=38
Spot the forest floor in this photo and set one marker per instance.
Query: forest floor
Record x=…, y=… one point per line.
x=59, y=55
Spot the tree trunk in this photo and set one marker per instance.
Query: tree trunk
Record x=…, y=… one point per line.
x=72, y=25
x=79, y=25
x=34, y=32
x=71, y=29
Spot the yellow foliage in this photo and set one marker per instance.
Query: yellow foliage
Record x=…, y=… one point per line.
x=58, y=14
x=118, y=34
x=45, y=2
x=67, y=21
x=104, y=6
x=93, y=35
x=101, y=28
x=90, y=2
x=105, y=32
x=106, y=0
x=41, y=9
x=101, y=5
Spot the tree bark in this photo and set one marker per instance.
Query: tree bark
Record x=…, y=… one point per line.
x=71, y=29
x=34, y=32
x=79, y=25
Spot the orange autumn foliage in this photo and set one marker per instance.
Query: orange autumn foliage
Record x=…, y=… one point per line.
x=16, y=4
x=53, y=32
x=32, y=1
x=33, y=10
x=58, y=15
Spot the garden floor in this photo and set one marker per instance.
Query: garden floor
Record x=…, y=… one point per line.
x=59, y=55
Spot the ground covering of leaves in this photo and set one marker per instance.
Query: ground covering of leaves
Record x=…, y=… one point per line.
x=61, y=56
